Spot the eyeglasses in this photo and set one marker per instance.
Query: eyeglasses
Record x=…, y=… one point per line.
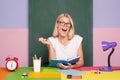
x=63, y=23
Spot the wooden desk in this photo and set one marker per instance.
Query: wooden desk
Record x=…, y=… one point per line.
x=89, y=75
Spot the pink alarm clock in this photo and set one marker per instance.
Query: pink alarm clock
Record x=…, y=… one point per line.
x=11, y=63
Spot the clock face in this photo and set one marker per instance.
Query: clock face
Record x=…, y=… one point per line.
x=11, y=65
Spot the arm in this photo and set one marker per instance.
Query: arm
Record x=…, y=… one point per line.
x=78, y=64
x=49, y=46
x=81, y=60
x=51, y=52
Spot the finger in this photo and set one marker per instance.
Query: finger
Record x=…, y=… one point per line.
x=60, y=65
x=69, y=64
x=41, y=38
x=44, y=40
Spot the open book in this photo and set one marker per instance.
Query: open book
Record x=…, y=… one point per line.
x=53, y=63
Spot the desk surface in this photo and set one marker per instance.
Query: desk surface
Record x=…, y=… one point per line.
x=88, y=75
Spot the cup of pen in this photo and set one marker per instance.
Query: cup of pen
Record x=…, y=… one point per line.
x=36, y=64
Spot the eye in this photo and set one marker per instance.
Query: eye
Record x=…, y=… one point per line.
x=62, y=23
x=68, y=24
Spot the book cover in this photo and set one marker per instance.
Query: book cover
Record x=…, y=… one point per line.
x=53, y=63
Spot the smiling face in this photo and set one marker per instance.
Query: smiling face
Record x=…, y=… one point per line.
x=63, y=25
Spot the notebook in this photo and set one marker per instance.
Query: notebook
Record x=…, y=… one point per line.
x=53, y=63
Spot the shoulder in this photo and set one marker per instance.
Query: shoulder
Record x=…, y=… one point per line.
x=52, y=39
x=78, y=37
x=77, y=40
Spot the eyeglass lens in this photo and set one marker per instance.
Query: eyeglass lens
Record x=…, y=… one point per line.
x=63, y=23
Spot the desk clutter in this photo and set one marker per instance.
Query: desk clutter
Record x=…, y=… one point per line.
x=70, y=74
x=48, y=73
x=54, y=73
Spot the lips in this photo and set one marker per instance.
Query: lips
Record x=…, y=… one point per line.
x=64, y=30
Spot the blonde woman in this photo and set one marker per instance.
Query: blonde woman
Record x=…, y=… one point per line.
x=64, y=43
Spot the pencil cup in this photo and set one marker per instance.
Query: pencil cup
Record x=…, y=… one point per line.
x=37, y=65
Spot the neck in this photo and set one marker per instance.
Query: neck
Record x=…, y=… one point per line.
x=63, y=40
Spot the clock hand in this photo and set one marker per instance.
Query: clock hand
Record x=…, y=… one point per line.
x=12, y=64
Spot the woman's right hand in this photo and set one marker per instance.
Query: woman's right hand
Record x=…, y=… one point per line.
x=49, y=46
x=44, y=41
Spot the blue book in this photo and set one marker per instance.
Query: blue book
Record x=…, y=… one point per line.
x=53, y=63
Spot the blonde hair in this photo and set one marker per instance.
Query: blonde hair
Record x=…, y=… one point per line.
x=71, y=31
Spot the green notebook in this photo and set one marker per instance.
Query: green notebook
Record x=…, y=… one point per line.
x=53, y=63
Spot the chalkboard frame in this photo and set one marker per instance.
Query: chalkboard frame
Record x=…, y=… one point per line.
x=42, y=16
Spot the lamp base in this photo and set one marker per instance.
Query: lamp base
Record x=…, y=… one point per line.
x=107, y=69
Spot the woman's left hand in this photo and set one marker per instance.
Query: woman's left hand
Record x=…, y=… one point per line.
x=62, y=66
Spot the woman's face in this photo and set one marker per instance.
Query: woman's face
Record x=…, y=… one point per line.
x=64, y=26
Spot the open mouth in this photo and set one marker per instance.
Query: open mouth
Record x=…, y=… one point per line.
x=64, y=30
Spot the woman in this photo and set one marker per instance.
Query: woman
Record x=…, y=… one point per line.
x=64, y=43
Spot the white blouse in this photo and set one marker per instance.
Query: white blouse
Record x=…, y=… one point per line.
x=65, y=52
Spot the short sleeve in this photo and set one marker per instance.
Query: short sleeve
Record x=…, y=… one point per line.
x=78, y=39
x=52, y=40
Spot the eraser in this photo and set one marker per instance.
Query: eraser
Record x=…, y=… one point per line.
x=69, y=76
x=77, y=77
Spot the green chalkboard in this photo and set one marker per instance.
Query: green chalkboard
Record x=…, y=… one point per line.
x=42, y=16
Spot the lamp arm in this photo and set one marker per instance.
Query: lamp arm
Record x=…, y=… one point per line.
x=110, y=56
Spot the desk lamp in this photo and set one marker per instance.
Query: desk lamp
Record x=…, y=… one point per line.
x=106, y=46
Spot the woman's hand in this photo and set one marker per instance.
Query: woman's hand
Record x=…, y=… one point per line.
x=49, y=46
x=44, y=41
x=62, y=66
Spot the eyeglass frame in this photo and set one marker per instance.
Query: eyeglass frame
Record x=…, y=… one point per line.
x=62, y=23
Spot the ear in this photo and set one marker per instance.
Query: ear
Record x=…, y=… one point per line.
x=8, y=58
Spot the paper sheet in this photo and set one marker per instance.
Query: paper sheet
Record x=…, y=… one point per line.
x=71, y=72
